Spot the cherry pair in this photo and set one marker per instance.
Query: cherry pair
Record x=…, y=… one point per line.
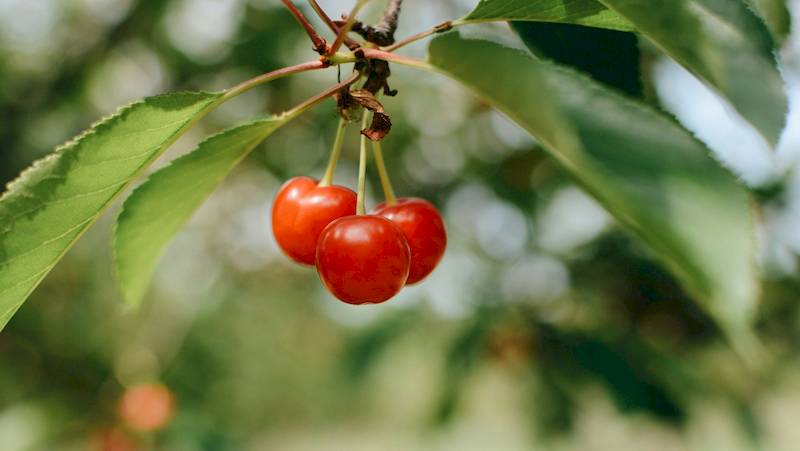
x=361, y=259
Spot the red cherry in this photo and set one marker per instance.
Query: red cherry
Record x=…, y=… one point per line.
x=363, y=259
x=300, y=212
x=424, y=230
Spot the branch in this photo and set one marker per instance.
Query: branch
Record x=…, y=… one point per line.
x=299, y=109
x=318, y=44
x=395, y=58
x=274, y=75
x=348, y=25
x=382, y=34
x=441, y=28
x=351, y=44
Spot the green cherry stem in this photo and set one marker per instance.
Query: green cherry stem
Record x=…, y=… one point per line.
x=336, y=151
x=386, y=182
x=362, y=169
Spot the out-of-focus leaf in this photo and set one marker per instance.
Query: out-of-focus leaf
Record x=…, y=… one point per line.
x=552, y=406
x=158, y=208
x=776, y=15
x=650, y=173
x=609, y=56
x=365, y=347
x=724, y=43
x=628, y=376
x=580, y=12
x=631, y=387
x=52, y=203
x=463, y=356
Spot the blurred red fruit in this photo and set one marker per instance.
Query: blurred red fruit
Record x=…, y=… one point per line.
x=146, y=407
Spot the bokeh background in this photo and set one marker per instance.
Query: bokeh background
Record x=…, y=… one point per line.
x=545, y=327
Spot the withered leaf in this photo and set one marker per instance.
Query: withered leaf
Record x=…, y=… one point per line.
x=381, y=123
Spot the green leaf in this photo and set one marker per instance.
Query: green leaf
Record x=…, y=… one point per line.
x=650, y=173
x=590, y=13
x=609, y=56
x=52, y=203
x=158, y=208
x=724, y=43
x=776, y=15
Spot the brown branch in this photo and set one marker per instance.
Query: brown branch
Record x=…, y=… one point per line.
x=344, y=29
x=325, y=94
x=382, y=34
x=351, y=44
x=318, y=43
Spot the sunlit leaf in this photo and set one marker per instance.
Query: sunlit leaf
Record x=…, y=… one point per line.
x=159, y=207
x=651, y=174
x=724, y=43
x=50, y=205
x=580, y=12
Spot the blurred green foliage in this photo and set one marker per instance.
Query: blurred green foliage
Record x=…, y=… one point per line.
x=545, y=325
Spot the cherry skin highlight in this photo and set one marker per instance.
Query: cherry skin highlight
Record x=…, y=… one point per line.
x=363, y=259
x=423, y=227
x=302, y=209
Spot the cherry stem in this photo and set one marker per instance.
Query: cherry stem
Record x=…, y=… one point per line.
x=351, y=19
x=362, y=169
x=274, y=75
x=442, y=27
x=386, y=182
x=319, y=44
x=336, y=151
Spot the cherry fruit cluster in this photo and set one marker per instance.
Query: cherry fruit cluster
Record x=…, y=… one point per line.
x=361, y=259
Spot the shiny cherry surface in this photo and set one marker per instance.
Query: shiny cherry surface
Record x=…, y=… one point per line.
x=302, y=209
x=363, y=259
x=424, y=230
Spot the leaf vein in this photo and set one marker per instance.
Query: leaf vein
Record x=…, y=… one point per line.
x=45, y=243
